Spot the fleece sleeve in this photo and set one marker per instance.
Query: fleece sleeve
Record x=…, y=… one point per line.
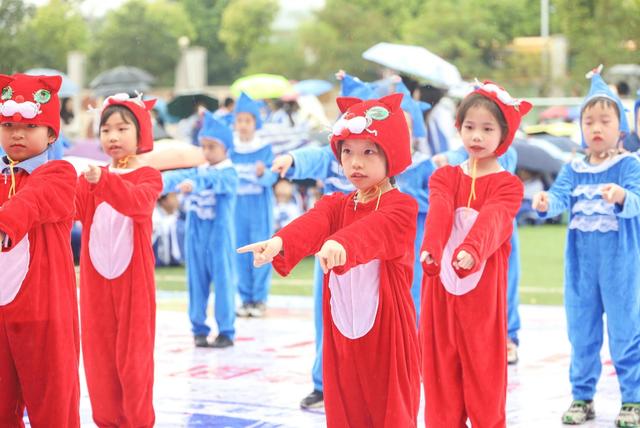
x=48, y=197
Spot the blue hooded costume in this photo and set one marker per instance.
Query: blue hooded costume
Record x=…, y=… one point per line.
x=632, y=141
x=254, y=207
x=509, y=162
x=210, y=233
x=602, y=274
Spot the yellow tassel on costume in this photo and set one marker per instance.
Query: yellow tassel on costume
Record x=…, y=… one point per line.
x=12, y=189
x=124, y=162
x=472, y=194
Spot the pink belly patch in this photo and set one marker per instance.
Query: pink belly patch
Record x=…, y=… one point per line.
x=110, y=241
x=14, y=265
x=464, y=218
x=354, y=299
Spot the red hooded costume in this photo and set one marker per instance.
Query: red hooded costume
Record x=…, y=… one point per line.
x=117, y=284
x=463, y=325
x=39, y=341
x=371, y=357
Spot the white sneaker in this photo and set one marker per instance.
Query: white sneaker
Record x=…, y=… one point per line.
x=257, y=310
x=512, y=352
x=243, y=311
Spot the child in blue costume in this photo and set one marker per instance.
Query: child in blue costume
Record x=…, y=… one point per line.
x=602, y=275
x=632, y=140
x=320, y=163
x=252, y=158
x=508, y=161
x=210, y=232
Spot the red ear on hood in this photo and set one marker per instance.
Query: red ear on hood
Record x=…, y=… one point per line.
x=345, y=102
x=149, y=104
x=53, y=83
x=392, y=101
x=524, y=107
x=4, y=80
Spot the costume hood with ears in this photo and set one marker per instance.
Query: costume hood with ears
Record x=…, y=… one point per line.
x=214, y=129
x=31, y=100
x=600, y=89
x=141, y=109
x=512, y=109
x=381, y=121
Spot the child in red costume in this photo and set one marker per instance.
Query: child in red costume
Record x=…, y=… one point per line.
x=465, y=253
x=39, y=340
x=117, y=284
x=364, y=242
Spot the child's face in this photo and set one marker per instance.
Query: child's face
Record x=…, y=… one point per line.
x=245, y=126
x=600, y=127
x=364, y=163
x=118, y=137
x=170, y=203
x=283, y=191
x=213, y=150
x=22, y=141
x=480, y=132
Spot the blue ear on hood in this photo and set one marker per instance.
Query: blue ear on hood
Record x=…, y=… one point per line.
x=354, y=87
x=213, y=129
x=245, y=104
x=415, y=109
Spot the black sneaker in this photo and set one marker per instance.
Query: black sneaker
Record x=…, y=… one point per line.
x=579, y=412
x=315, y=400
x=201, y=341
x=221, y=341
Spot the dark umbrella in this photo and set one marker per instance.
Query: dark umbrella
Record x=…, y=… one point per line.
x=535, y=158
x=121, y=79
x=184, y=105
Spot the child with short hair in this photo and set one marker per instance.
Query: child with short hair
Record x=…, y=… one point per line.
x=115, y=204
x=602, y=276
x=39, y=338
x=252, y=157
x=210, y=190
x=364, y=241
x=463, y=326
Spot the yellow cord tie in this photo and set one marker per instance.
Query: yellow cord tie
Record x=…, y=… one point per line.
x=124, y=162
x=12, y=189
x=472, y=194
x=365, y=195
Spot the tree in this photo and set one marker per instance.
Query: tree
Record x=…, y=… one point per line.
x=206, y=19
x=144, y=35
x=246, y=24
x=56, y=29
x=13, y=15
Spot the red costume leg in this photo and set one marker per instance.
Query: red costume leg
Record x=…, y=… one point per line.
x=11, y=404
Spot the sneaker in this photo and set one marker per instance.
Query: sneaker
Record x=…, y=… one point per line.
x=201, y=341
x=512, y=352
x=629, y=416
x=579, y=412
x=257, y=310
x=315, y=400
x=221, y=341
x=243, y=311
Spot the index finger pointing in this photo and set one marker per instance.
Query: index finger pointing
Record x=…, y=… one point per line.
x=249, y=248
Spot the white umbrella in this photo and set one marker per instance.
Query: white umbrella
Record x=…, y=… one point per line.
x=415, y=60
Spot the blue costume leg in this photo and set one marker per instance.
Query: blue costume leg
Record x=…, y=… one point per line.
x=198, y=281
x=224, y=282
x=261, y=229
x=620, y=289
x=318, y=284
x=513, y=297
x=584, y=310
x=244, y=262
x=416, y=286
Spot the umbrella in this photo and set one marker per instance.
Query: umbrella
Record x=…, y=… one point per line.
x=262, y=86
x=415, y=60
x=184, y=105
x=312, y=87
x=68, y=89
x=536, y=157
x=121, y=79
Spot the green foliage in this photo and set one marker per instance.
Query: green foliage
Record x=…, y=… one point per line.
x=56, y=29
x=206, y=18
x=283, y=55
x=246, y=25
x=13, y=15
x=143, y=35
